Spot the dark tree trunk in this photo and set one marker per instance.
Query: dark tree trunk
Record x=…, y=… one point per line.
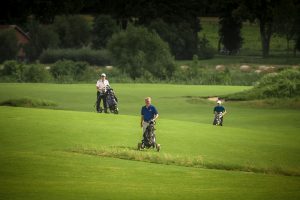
x=219, y=44
x=265, y=34
x=287, y=46
x=124, y=23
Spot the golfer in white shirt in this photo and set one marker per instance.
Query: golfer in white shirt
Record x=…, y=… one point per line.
x=101, y=86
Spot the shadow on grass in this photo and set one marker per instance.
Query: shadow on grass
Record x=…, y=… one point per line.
x=151, y=156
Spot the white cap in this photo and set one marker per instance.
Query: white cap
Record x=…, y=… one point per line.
x=219, y=102
x=103, y=74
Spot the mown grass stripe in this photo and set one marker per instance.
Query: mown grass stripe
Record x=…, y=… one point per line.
x=128, y=153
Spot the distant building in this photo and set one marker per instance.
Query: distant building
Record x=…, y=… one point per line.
x=23, y=38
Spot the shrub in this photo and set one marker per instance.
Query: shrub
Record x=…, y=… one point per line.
x=68, y=71
x=240, y=78
x=36, y=74
x=93, y=57
x=285, y=84
x=203, y=76
x=13, y=70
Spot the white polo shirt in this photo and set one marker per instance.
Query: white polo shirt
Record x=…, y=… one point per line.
x=102, y=85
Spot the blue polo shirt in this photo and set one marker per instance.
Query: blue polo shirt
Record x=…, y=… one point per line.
x=148, y=113
x=219, y=109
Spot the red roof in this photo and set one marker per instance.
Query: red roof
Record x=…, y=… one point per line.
x=17, y=28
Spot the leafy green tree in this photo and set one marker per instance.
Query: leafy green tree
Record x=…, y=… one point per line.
x=230, y=26
x=230, y=34
x=73, y=31
x=180, y=37
x=263, y=12
x=136, y=51
x=169, y=33
x=182, y=17
x=41, y=37
x=189, y=40
x=9, y=45
x=104, y=27
x=286, y=17
x=187, y=22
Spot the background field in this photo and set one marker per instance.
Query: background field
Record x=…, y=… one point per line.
x=52, y=153
x=250, y=34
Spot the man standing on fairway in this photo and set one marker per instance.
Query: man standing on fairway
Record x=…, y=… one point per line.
x=219, y=112
x=101, y=86
x=148, y=114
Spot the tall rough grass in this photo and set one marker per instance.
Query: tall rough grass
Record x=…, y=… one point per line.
x=128, y=153
x=27, y=102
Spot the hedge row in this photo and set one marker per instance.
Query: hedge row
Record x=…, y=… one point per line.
x=93, y=57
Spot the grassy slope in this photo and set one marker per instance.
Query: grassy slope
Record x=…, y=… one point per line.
x=35, y=164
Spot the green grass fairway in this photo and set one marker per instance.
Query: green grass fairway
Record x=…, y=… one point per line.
x=71, y=152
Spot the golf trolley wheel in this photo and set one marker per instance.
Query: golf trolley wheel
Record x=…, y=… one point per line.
x=139, y=146
x=116, y=111
x=100, y=110
x=158, y=147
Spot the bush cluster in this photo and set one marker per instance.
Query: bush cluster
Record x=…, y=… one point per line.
x=12, y=71
x=285, y=84
x=17, y=72
x=65, y=71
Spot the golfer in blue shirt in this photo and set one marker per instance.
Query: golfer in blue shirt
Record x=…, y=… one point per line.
x=219, y=109
x=148, y=114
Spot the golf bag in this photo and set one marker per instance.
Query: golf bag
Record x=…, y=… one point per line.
x=149, y=138
x=111, y=101
x=218, y=119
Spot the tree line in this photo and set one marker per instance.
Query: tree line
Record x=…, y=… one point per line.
x=273, y=16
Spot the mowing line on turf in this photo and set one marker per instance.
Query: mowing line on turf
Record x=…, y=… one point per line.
x=130, y=153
